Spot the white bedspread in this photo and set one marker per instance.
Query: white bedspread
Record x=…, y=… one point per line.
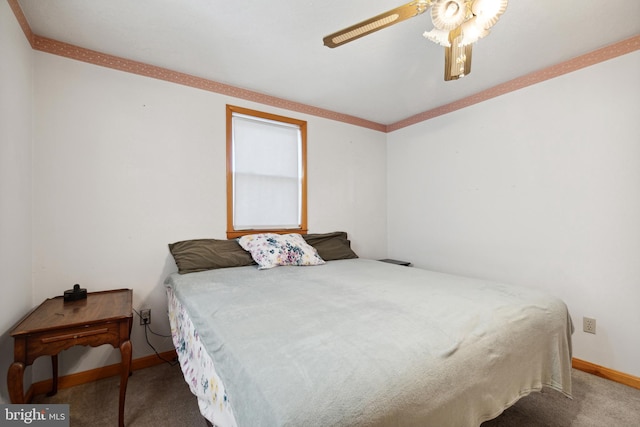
x=364, y=343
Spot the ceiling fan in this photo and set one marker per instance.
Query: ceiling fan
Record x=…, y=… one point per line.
x=457, y=25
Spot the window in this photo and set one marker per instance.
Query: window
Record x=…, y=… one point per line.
x=266, y=173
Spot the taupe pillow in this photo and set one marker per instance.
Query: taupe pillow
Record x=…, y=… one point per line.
x=208, y=254
x=331, y=246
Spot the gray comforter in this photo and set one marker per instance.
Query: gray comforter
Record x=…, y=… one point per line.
x=365, y=343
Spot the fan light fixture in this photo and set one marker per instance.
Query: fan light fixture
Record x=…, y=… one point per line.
x=457, y=25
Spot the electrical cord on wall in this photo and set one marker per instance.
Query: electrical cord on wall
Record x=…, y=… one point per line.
x=146, y=337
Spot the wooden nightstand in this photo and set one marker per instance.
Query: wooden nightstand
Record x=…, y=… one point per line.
x=55, y=325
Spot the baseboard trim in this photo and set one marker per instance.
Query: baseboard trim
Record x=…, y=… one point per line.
x=610, y=374
x=71, y=380
x=42, y=387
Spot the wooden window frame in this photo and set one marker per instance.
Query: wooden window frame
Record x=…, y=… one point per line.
x=232, y=233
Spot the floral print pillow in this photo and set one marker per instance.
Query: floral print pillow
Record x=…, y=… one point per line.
x=270, y=250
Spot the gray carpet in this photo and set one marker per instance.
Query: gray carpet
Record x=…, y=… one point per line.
x=158, y=396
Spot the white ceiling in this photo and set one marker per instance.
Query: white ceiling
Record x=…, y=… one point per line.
x=275, y=47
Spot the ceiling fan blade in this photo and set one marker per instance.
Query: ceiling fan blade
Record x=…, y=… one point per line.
x=457, y=58
x=376, y=23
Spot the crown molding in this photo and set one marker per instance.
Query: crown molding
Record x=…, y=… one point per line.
x=66, y=50
x=70, y=51
x=600, y=55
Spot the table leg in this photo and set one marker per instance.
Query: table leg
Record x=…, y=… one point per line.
x=15, y=378
x=125, y=369
x=130, y=361
x=54, y=369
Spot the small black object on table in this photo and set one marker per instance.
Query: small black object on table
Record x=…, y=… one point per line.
x=395, y=261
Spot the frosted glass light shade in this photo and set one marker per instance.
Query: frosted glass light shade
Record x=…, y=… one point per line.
x=488, y=12
x=472, y=32
x=448, y=14
x=440, y=37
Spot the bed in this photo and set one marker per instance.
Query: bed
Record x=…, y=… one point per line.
x=358, y=342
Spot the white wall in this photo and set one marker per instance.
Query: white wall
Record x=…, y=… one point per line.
x=539, y=187
x=124, y=165
x=16, y=64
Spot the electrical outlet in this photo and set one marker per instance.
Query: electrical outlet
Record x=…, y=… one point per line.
x=589, y=325
x=145, y=316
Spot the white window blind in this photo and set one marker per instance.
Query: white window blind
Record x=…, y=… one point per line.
x=267, y=173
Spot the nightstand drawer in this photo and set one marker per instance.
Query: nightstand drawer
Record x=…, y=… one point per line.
x=52, y=342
